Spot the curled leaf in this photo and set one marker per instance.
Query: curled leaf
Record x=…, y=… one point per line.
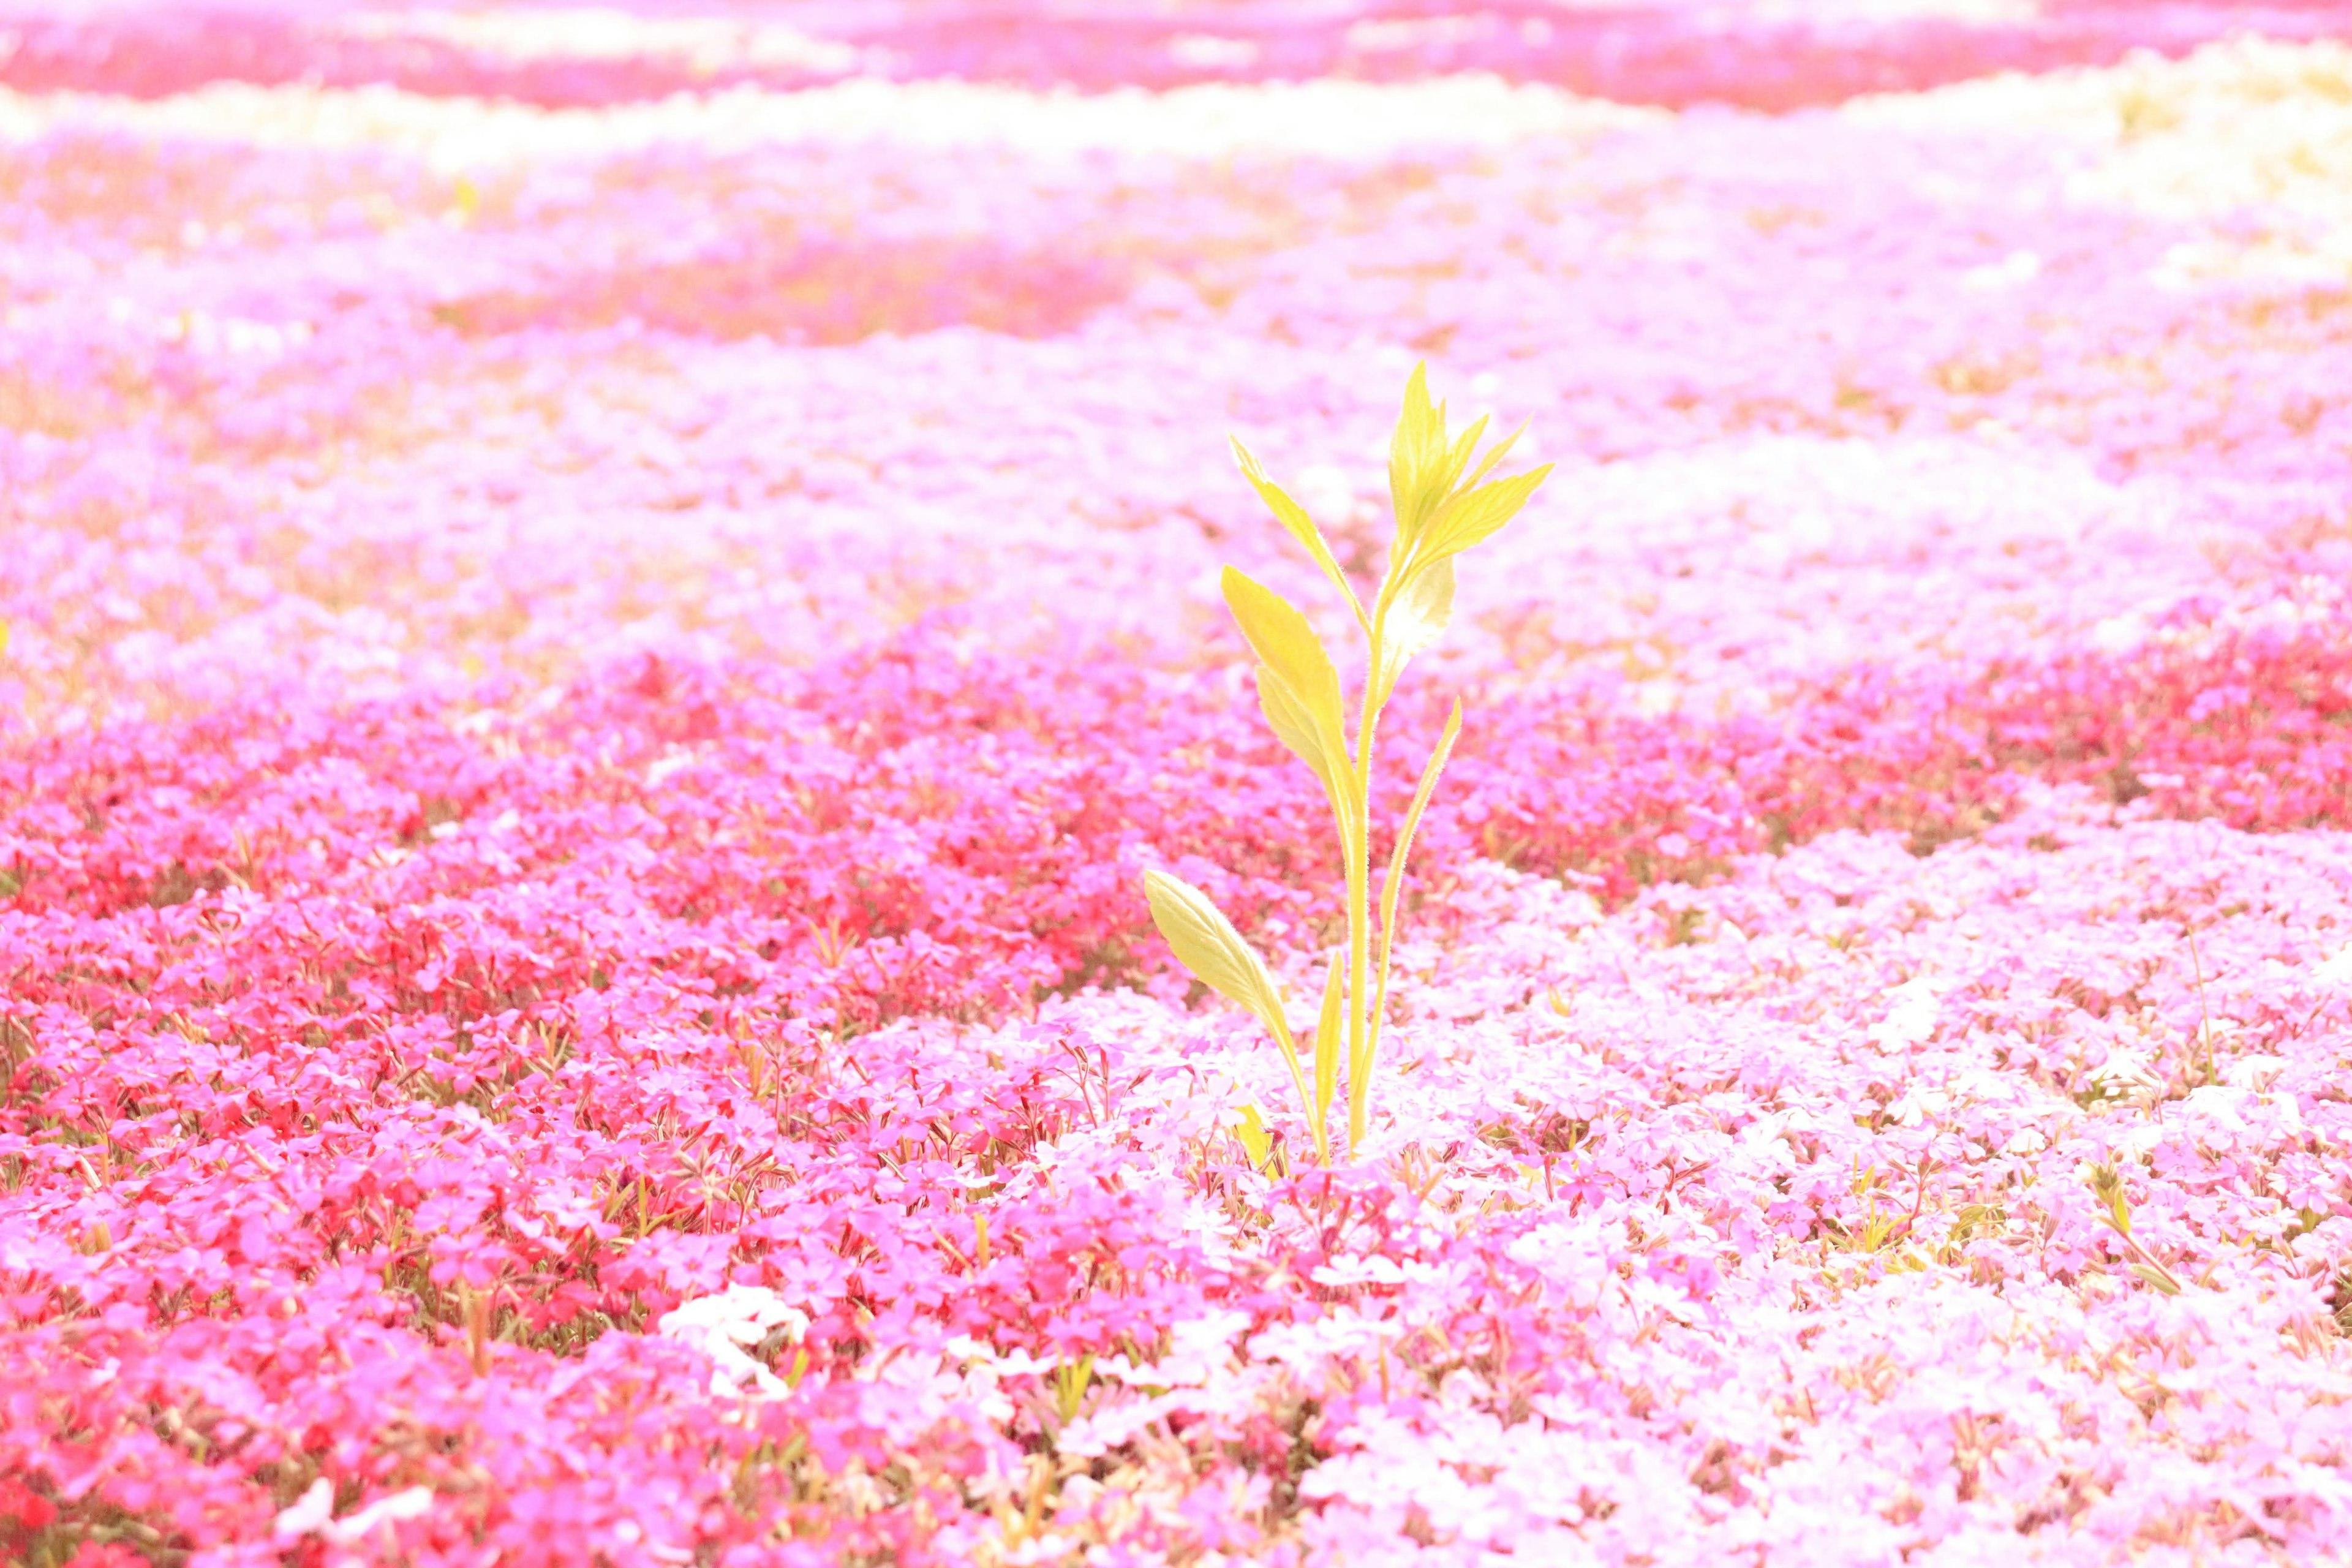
x=1412, y=623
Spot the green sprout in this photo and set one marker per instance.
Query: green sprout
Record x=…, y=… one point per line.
x=1444, y=507
x=1071, y=1381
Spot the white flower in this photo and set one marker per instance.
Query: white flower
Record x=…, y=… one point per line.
x=415, y=1502
x=1199, y=1350
x=1344, y=1271
x=313, y=1514
x=2254, y=1072
x=1093, y=1435
x=719, y=1326
x=2127, y=1071
x=2019, y=267
x=1911, y=1013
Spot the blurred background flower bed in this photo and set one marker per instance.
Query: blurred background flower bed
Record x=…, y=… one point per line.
x=604, y=608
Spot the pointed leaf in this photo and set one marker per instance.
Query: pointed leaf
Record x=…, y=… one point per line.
x=1417, y=456
x=1412, y=624
x=1208, y=945
x=1256, y=1141
x=1286, y=645
x=1487, y=464
x=1457, y=457
x=1427, y=787
x=1393, y=887
x=1292, y=517
x=1313, y=742
x=1476, y=515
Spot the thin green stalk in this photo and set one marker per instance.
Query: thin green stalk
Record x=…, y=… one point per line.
x=1361, y=1036
x=1395, y=884
x=1289, y=1046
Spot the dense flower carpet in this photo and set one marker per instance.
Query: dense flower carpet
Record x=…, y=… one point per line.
x=605, y=608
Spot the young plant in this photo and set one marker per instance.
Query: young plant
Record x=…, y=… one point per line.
x=1444, y=507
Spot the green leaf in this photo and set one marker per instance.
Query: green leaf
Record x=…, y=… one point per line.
x=1071, y=1381
x=1208, y=945
x=1286, y=645
x=1288, y=717
x=1487, y=464
x=1473, y=516
x=1457, y=457
x=1256, y=1141
x=1393, y=887
x=1417, y=455
x=1427, y=787
x=1293, y=516
x=1412, y=623
x=1205, y=943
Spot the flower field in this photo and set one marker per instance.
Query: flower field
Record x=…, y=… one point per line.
x=605, y=609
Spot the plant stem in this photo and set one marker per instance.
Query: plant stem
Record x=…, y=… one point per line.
x=1359, y=897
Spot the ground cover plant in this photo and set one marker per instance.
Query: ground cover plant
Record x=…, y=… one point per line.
x=606, y=610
